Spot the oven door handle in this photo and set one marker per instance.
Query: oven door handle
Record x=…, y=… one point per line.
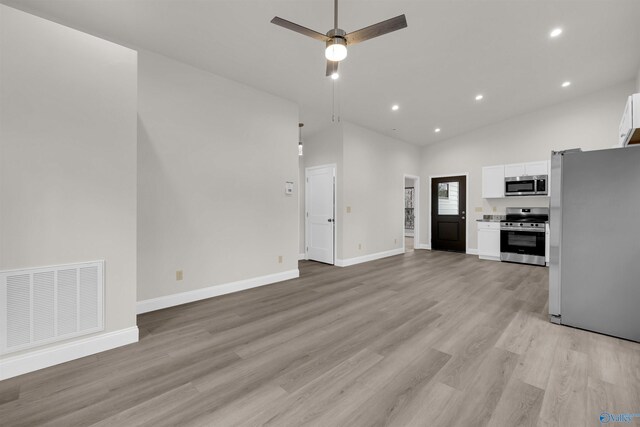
x=526, y=230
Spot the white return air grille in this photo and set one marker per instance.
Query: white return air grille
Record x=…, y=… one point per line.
x=43, y=305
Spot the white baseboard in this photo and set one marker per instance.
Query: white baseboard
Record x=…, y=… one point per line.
x=301, y=256
x=366, y=258
x=424, y=246
x=39, y=359
x=472, y=251
x=213, y=291
x=489, y=258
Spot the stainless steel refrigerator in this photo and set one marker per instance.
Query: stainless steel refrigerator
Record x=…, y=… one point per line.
x=594, y=258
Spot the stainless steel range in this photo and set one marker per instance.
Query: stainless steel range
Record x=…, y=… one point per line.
x=522, y=235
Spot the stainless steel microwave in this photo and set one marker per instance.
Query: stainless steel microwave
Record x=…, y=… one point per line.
x=526, y=185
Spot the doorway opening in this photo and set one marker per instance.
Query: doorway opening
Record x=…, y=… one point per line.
x=448, y=195
x=320, y=213
x=411, y=214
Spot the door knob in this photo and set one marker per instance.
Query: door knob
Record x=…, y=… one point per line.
x=462, y=217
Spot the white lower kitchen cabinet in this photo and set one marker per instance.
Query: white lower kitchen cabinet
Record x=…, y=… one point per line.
x=489, y=240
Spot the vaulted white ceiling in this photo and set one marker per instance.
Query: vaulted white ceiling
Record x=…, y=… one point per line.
x=451, y=51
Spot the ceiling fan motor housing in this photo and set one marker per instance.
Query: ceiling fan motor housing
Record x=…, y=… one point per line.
x=337, y=37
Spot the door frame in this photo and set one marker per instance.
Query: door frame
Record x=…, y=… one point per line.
x=416, y=211
x=306, y=208
x=466, y=234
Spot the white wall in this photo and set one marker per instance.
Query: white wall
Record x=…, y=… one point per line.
x=374, y=166
x=587, y=122
x=68, y=154
x=214, y=156
x=370, y=179
x=638, y=82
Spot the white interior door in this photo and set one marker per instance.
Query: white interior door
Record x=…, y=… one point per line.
x=320, y=208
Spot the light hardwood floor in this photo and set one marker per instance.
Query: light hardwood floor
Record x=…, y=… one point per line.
x=425, y=338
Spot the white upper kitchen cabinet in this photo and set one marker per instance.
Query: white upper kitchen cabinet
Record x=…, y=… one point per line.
x=536, y=168
x=514, y=169
x=527, y=169
x=493, y=182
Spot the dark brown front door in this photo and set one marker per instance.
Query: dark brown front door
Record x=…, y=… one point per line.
x=448, y=213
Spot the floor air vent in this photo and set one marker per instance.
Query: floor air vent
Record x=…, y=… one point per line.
x=44, y=305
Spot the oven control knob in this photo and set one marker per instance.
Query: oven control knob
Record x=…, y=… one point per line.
x=521, y=224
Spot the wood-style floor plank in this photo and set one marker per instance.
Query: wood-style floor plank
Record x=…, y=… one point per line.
x=420, y=339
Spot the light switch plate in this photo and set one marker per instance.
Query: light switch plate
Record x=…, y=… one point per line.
x=348, y=209
x=288, y=188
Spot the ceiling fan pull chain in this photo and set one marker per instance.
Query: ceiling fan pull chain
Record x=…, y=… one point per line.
x=333, y=100
x=338, y=100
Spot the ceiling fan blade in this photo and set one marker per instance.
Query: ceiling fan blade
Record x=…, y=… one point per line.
x=299, y=29
x=375, y=30
x=332, y=67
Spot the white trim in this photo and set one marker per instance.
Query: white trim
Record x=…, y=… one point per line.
x=466, y=175
x=416, y=210
x=159, y=303
x=366, y=258
x=39, y=359
x=472, y=251
x=425, y=246
x=301, y=256
x=335, y=207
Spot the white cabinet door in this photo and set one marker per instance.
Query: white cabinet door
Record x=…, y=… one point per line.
x=536, y=168
x=515, y=169
x=493, y=181
x=489, y=240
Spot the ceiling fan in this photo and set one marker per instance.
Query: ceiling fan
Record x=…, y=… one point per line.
x=337, y=39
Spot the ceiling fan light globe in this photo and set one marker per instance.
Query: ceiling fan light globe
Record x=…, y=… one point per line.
x=335, y=52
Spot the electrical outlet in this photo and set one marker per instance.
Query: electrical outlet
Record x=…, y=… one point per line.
x=279, y=259
x=179, y=275
x=478, y=208
x=348, y=209
x=395, y=241
x=360, y=246
x=495, y=209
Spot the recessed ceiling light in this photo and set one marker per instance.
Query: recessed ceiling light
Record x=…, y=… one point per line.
x=555, y=32
x=436, y=130
x=335, y=76
x=479, y=97
x=395, y=107
x=566, y=84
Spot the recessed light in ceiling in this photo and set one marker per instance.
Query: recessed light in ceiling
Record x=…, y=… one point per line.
x=335, y=76
x=566, y=84
x=479, y=97
x=436, y=130
x=395, y=107
x=555, y=32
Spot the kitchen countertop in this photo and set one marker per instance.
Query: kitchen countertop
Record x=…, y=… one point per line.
x=491, y=218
